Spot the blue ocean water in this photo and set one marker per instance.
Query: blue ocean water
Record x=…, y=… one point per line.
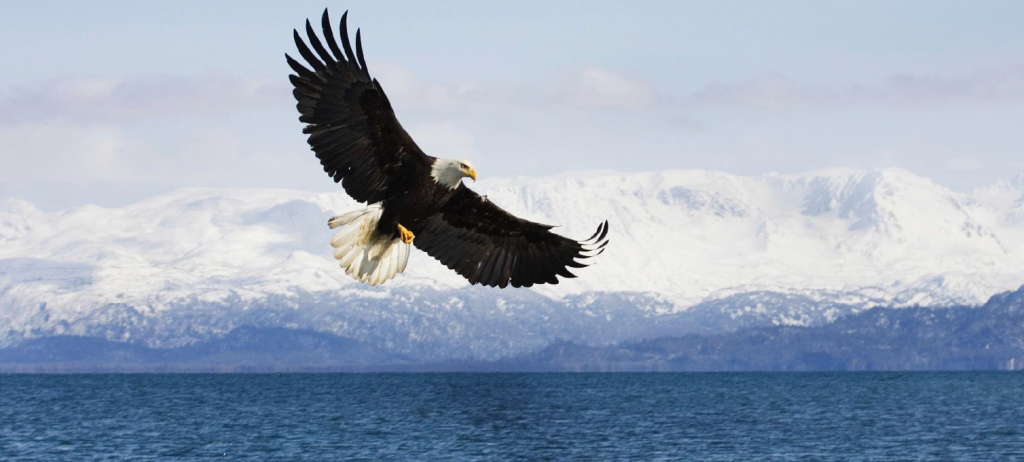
x=661, y=416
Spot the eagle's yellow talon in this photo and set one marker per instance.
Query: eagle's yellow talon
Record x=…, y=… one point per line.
x=406, y=235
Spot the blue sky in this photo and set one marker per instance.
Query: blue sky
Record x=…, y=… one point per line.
x=108, y=102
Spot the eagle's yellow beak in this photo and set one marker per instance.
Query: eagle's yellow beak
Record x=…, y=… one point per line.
x=471, y=173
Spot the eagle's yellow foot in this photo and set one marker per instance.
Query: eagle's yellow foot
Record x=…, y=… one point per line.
x=405, y=234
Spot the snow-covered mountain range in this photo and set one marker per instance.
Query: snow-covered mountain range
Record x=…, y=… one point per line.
x=690, y=250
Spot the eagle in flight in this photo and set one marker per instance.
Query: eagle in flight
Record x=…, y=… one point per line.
x=413, y=198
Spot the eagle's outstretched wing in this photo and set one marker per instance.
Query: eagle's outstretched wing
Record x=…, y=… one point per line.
x=351, y=125
x=490, y=246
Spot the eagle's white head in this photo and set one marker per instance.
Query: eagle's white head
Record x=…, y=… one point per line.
x=449, y=172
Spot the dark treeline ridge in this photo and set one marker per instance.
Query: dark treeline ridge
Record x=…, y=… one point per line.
x=987, y=337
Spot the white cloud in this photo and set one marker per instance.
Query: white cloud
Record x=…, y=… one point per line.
x=93, y=100
x=406, y=90
x=115, y=101
x=980, y=87
x=60, y=151
x=181, y=156
x=587, y=89
x=777, y=92
x=599, y=88
x=766, y=92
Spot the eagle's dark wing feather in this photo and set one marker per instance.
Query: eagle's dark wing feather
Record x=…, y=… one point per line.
x=490, y=246
x=351, y=126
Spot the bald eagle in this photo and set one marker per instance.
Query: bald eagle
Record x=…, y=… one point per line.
x=413, y=198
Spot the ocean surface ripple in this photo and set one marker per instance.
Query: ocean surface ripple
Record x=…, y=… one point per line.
x=657, y=416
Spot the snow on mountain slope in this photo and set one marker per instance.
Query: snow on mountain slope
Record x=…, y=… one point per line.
x=682, y=237
x=690, y=235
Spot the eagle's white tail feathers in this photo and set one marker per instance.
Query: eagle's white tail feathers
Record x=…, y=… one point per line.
x=364, y=254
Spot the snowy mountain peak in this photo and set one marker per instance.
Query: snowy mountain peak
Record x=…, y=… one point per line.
x=683, y=238
x=15, y=218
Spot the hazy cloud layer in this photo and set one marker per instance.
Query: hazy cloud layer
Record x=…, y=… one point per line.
x=96, y=100
x=778, y=92
x=224, y=130
x=589, y=88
